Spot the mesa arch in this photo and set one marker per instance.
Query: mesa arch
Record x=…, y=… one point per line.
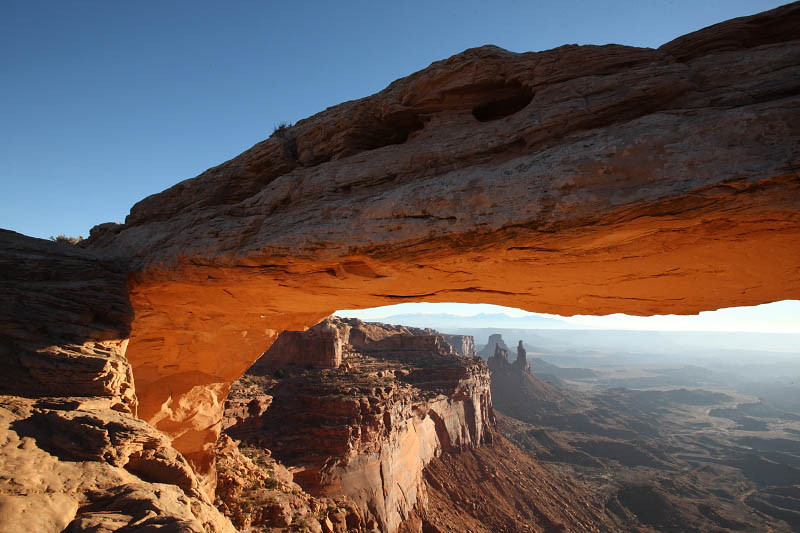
x=584, y=179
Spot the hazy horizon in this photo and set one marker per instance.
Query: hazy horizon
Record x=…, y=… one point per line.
x=781, y=317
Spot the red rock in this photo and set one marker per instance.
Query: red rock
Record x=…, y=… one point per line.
x=462, y=344
x=64, y=323
x=76, y=464
x=368, y=433
x=584, y=179
x=258, y=493
x=317, y=347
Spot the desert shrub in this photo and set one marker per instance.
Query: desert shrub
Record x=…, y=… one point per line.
x=283, y=131
x=64, y=239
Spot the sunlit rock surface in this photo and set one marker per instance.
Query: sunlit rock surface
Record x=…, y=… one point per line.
x=584, y=179
x=76, y=464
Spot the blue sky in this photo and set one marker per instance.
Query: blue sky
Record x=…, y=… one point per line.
x=104, y=103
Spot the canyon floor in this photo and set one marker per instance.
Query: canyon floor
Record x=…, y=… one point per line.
x=667, y=447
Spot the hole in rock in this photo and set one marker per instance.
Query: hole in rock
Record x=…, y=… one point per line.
x=393, y=128
x=507, y=100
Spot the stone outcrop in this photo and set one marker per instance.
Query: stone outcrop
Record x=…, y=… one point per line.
x=317, y=347
x=365, y=430
x=73, y=455
x=516, y=391
x=259, y=493
x=500, y=356
x=462, y=344
x=64, y=323
x=76, y=464
x=584, y=179
x=521, y=362
x=494, y=343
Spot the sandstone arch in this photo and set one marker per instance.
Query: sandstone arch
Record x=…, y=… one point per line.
x=633, y=180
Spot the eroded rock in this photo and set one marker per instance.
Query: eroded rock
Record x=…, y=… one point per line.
x=584, y=179
x=516, y=391
x=64, y=322
x=72, y=464
x=366, y=429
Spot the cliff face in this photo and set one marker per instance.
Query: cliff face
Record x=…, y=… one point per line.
x=64, y=323
x=495, y=341
x=367, y=428
x=462, y=344
x=584, y=179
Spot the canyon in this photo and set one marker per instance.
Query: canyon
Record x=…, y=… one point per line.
x=583, y=179
x=399, y=436
x=681, y=448
x=366, y=427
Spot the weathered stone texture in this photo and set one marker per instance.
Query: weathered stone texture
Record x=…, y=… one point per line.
x=583, y=179
x=64, y=322
x=76, y=464
x=365, y=429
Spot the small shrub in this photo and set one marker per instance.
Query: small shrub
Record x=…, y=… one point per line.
x=283, y=131
x=279, y=373
x=64, y=239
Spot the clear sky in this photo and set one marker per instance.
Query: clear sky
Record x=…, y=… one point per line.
x=105, y=102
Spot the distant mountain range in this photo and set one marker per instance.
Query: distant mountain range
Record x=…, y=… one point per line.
x=444, y=321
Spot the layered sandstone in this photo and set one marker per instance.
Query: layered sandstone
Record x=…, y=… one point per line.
x=64, y=323
x=584, y=179
x=317, y=347
x=494, y=342
x=73, y=455
x=349, y=434
x=76, y=464
x=258, y=493
x=367, y=429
